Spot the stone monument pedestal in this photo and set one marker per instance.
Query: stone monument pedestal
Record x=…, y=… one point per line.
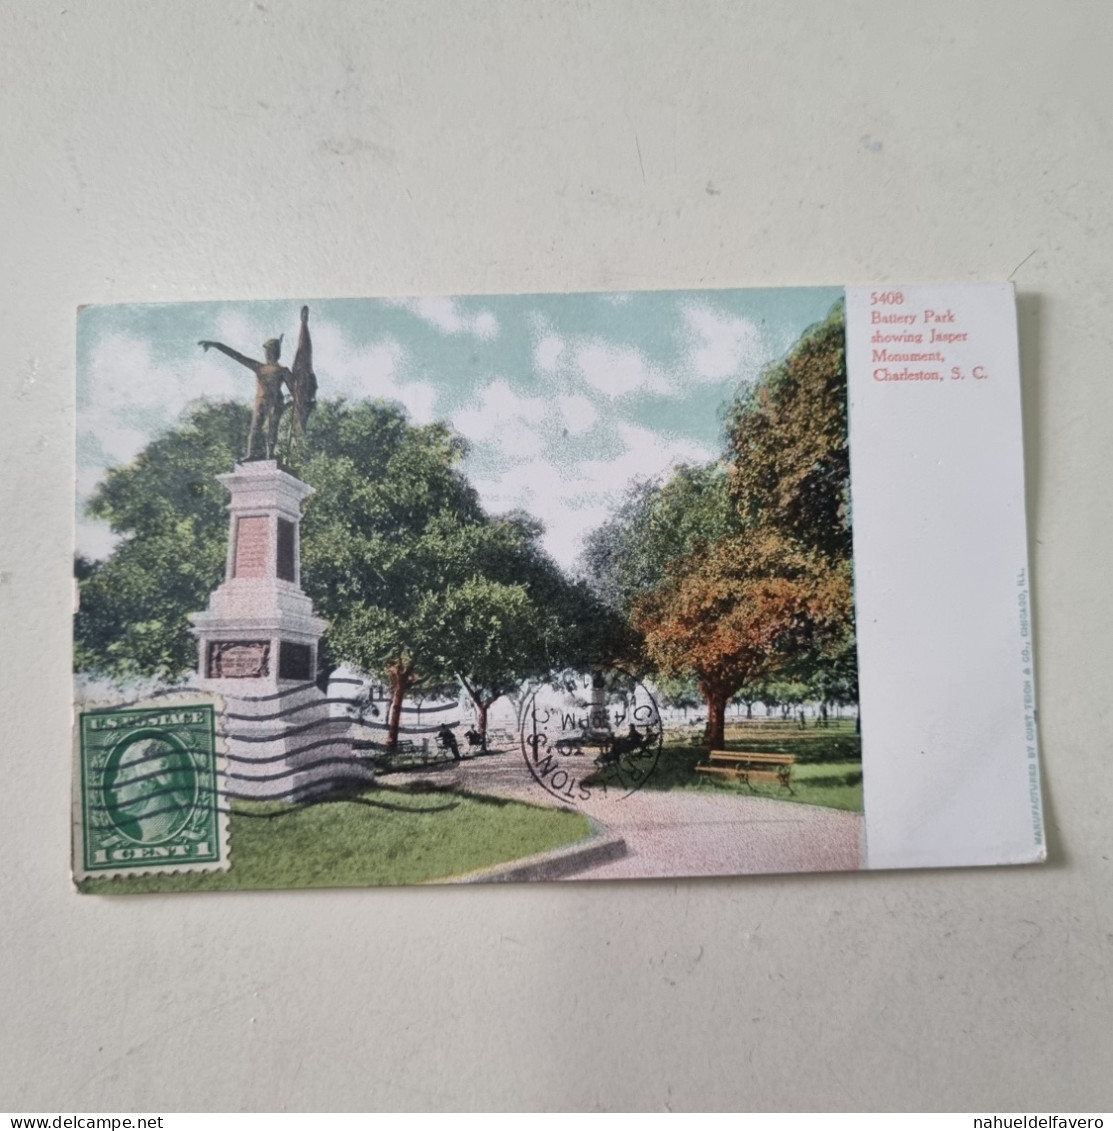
x=257, y=649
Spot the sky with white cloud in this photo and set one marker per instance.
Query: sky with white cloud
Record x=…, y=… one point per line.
x=565, y=399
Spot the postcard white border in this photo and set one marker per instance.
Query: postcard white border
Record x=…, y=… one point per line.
x=941, y=580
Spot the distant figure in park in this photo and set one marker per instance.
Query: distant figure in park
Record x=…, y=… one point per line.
x=629, y=743
x=447, y=741
x=476, y=739
x=270, y=377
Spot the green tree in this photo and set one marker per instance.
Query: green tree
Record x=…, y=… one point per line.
x=681, y=693
x=788, y=447
x=478, y=602
x=510, y=614
x=171, y=516
x=380, y=536
x=660, y=522
x=490, y=636
x=786, y=695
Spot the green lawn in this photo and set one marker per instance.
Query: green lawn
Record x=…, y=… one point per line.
x=382, y=836
x=828, y=768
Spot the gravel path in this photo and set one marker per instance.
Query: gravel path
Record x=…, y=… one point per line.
x=683, y=833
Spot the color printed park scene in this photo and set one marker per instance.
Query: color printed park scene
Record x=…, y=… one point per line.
x=526, y=587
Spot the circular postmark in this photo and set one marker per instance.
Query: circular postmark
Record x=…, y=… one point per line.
x=150, y=787
x=589, y=735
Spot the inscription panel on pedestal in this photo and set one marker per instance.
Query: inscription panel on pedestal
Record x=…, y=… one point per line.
x=251, y=547
x=294, y=661
x=287, y=536
x=239, y=659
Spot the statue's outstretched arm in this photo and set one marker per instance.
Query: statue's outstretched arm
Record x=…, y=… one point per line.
x=235, y=355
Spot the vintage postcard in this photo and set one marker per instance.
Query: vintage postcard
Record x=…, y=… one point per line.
x=547, y=587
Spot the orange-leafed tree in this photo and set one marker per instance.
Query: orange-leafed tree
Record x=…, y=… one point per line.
x=750, y=606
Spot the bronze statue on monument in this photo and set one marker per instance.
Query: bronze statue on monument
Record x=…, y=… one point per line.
x=270, y=377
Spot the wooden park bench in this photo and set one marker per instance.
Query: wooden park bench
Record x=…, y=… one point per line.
x=405, y=755
x=408, y=752
x=750, y=766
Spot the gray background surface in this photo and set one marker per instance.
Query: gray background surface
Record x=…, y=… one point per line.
x=225, y=150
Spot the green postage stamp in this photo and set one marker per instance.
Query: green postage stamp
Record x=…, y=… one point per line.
x=149, y=798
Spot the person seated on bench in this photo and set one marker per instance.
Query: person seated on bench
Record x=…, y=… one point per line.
x=446, y=740
x=624, y=744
